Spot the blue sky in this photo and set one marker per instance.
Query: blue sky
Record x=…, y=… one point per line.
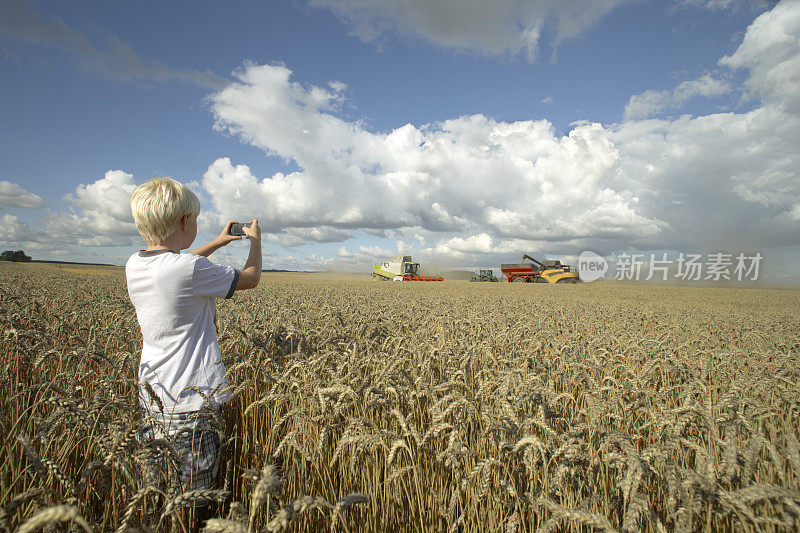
x=460, y=134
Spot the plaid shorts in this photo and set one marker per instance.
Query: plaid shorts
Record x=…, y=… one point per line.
x=194, y=440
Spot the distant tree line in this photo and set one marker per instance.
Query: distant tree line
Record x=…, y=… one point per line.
x=18, y=256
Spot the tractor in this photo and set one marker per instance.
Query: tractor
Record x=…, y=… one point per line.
x=484, y=275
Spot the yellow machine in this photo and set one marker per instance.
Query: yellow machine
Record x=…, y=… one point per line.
x=539, y=272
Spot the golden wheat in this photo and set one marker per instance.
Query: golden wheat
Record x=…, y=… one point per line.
x=427, y=407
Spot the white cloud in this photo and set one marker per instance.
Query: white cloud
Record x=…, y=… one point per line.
x=310, y=262
x=499, y=27
x=16, y=234
x=474, y=187
x=519, y=179
x=475, y=249
x=321, y=234
x=480, y=244
x=717, y=179
x=771, y=52
x=651, y=102
x=101, y=214
x=300, y=236
x=104, y=205
x=363, y=256
x=12, y=195
x=374, y=252
x=728, y=179
x=107, y=198
x=14, y=231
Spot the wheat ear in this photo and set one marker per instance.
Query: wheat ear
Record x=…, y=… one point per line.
x=57, y=513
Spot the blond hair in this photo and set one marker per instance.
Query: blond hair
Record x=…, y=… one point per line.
x=158, y=205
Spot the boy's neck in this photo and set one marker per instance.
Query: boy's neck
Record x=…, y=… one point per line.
x=155, y=247
x=174, y=242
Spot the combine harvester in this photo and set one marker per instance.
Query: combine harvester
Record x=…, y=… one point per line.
x=539, y=272
x=400, y=268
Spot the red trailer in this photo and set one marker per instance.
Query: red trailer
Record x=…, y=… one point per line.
x=539, y=272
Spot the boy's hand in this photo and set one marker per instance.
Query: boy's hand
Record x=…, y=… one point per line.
x=253, y=232
x=225, y=237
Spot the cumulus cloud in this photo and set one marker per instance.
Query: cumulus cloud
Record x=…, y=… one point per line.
x=363, y=256
x=105, y=204
x=653, y=102
x=500, y=27
x=519, y=178
x=474, y=244
x=115, y=60
x=12, y=230
x=12, y=195
x=473, y=190
x=107, y=200
x=730, y=178
x=321, y=234
x=717, y=179
x=770, y=50
x=100, y=215
x=474, y=187
x=98, y=221
x=306, y=263
x=483, y=248
x=293, y=237
x=16, y=234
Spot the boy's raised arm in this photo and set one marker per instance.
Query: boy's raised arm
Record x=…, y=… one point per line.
x=250, y=275
x=222, y=239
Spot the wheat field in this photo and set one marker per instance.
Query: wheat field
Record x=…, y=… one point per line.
x=368, y=406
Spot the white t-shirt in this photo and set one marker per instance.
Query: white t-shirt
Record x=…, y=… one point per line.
x=174, y=296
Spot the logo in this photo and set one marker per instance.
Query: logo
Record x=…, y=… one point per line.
x=591, y=266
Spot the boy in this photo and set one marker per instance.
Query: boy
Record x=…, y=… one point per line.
x=174, y=296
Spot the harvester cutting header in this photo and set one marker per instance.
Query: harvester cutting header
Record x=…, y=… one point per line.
x=400, y=268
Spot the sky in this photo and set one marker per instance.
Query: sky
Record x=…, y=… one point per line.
x=461, y=132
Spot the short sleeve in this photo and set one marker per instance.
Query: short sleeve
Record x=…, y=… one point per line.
x=213, y=280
